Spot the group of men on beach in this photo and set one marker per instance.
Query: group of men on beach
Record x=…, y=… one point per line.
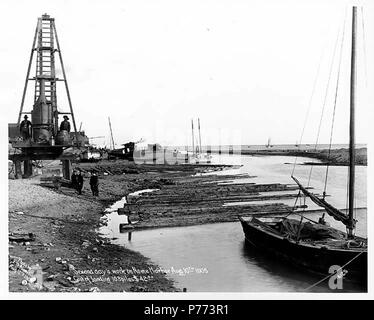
x=77, y=182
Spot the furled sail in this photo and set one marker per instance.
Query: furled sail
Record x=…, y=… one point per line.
x=332, y=211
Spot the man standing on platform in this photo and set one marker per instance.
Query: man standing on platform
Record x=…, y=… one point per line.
x=25, y=129
x=65, y=125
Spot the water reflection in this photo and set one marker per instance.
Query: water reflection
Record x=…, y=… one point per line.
x=221, y=249
x=299, y=278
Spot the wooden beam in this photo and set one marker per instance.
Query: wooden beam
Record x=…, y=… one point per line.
x=28, y=73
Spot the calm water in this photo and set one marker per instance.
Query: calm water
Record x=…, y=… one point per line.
x=215, y=258
x=277, y=169
x=254, y=147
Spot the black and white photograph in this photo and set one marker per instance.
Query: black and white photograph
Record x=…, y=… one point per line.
x=186, y=147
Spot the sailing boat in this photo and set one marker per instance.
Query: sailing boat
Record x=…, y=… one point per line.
x=197, y=152
x=126, y=152
x=315, y=246
x=268, y=145
x=193, y=140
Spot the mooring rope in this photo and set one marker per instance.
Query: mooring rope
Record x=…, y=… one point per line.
x=364, y=46
x=334, y=110
x=330, y=275
x=297, y=198
x=324, y=102
x=309, y=104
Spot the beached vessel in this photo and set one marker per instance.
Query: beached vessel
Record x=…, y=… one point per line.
x=314, y=245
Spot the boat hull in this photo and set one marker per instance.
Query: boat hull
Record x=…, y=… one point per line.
x=308, y=257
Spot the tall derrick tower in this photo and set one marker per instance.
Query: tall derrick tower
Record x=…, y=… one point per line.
x=46, y=141
x=45, y=45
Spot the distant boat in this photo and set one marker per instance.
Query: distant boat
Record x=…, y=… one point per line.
x=126, y=152
x=269, y=145
x=198, y=156
x=315, y=246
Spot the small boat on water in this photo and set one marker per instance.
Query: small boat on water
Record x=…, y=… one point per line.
x=198, y=156
x=269, y=145
x=314, y=245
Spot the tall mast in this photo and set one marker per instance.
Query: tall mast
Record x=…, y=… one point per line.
x=268, y=145
x=351, y=194
x=193, y=139
x=111, y=133
x=198, y=119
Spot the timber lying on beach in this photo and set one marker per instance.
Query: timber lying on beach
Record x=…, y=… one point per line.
x=185, y=195
x=195, y=199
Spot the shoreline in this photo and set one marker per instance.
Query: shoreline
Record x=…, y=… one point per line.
x=66, y=243
x=65, y=224
x=336, y=157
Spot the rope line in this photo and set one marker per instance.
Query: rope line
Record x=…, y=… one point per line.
x=300, y=215
x=297, y=197
x=308, y=110
x=324, y=102
x=330, y=275
x=334, y=110
x=364, y=46
x=310, y=103
x=347, y=194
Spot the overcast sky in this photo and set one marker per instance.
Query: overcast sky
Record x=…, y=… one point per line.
x=245, y=68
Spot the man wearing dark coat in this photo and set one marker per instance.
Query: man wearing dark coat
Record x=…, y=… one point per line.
x=94, y=183
x=74, y=180
x=65, y=125
x=25, y=128
x=79, y=182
